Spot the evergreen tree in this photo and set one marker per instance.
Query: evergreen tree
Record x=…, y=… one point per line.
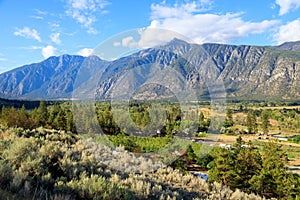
x=23, y=118
x=247, y=164
x=190, y=153
x=251, y=122
x=53, y=113
x=70, y=124
x=236, y=168
x=265, y=121
x=42, y=113
x=273, y=180
x=229, y=118
x=60, y=120
x=202, y=123
x=223, y=167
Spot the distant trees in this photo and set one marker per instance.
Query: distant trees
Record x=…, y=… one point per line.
x=12, y=117
x=56, y=116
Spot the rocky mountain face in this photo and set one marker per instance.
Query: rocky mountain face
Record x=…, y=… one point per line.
x=53, y=78
x=177, y=68
x=289, y=46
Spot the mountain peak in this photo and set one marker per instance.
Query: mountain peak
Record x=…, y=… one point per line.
x=291, y=46
x=176, y=41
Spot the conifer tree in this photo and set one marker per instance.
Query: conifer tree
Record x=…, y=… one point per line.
x=251, y=122
x=229, y=118
x=273, y=180
x=43, y=113
x=265, y=121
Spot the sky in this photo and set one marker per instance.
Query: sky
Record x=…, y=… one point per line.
x=34, y=30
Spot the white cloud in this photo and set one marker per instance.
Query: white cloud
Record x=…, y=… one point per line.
x=28, y=33
x=37, y=17
x=188, y=20
x=85, y=52
x=116, y=44
x=41, y=12
x=287, y=5
x=177, y=10
x=55, y=38
x=55, y=25
x=129, y=42
x=288, y=32
x=31, y=47
x=48, y=51
x=83, y=11
x=150, y=37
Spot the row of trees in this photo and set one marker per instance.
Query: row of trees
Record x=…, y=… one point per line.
x=143, y=117
x=56, y=117
x=102, y=117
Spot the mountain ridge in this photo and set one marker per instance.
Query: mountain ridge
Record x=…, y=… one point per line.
x=247, y=72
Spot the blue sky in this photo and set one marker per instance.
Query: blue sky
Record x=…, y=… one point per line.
x=33, y=30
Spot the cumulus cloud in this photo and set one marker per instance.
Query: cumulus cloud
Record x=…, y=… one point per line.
x=288, y=32
x=129, y=42
x=28, y=33
x=48, y=51
x=83, y=11
x=189, y=20
x=85, y=52
x=287, y=5
x=55, y=38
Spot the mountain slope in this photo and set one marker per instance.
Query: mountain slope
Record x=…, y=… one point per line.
x=248, y=72
x=245, y=72
x=50, y=79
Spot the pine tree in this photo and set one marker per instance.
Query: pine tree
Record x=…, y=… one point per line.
x=223, y=167
x=236, y=168
x=247, y=164
x=273, y=180
x=23, y=118
x=229, y=117
x=265, y=121
x=52, y=114
x=42, y=113
x=251, y=122
x=70, y=124
x=201, y=122
x=190, y=153
x=60, y=120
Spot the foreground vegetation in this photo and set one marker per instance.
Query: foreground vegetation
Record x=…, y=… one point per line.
x=47, y=164
x=45, y=154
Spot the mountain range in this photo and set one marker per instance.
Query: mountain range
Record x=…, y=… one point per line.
x=175, y=68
